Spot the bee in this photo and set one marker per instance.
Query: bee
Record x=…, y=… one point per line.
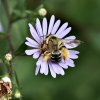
x=53, y=48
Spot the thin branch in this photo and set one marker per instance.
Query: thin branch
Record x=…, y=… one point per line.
x=9, y=65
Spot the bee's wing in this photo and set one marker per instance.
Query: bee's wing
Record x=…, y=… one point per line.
x=71, y=43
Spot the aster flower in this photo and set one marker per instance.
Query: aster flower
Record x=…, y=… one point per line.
x=39, y=34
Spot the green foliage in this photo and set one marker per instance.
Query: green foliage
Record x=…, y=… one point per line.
x=4, y=48
x=85, y=12
x=79, y=83
x=19, y=33
x=3, y=16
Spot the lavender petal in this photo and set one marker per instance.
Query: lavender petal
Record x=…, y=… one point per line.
x=63, y=65
x=34, y=34
x=32, y=51
x=44, y=24
x=62, y=28
x=72, y=54
x=70, y=63
x=51, y=24
x=38, y=27
x=37, y=70
x=32, y=41
x=46, y=71
x=31, y=45
x=64, y=33
x=71, y=37
x=43, y=66
x=52, y=71
x=36, y=54
x=55, y=27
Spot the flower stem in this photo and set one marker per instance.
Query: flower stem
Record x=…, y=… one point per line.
x=13, y=76
x=9, y=65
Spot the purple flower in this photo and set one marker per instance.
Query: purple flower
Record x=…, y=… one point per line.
x=39, y=34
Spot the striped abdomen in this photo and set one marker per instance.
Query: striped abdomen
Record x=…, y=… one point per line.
x=56, y=56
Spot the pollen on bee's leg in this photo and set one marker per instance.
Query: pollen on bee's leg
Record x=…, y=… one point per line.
x=65, y=53
x=46, y=56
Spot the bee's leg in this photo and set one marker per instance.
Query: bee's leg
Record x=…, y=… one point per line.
x=65, y=53
x=46, y=55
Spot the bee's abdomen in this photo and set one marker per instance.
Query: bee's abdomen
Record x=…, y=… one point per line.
x=56, y=56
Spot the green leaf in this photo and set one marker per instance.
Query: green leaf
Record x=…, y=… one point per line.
x=21, y=49
x=4, y=47
x=85, y=12
x=19, y=33
x=94, y=39
x=3, y=17
x=17, y=5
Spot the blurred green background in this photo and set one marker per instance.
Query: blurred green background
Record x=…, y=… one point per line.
x=79, y=83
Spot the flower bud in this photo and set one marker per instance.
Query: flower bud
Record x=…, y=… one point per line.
x=42, y=11
x=17, y=94
x=6, y=79
x=8, y=56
